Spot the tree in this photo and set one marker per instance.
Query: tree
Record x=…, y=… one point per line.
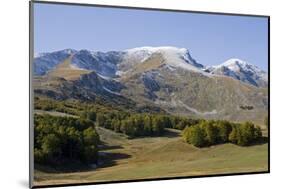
x=246, y=134
x=212, y=132
x=127, y=127
x=90, y=154
x=181, y=124
x=195, y=135
x=100, y=120
x=90, y=150
x=147, y=125
x=91, y=115
x=116, y=125
x=157, y=125
x=258, y=133
x=225, y=129
x=90, y=137
x=73, y=145
x=107, y=123
x=62, y=139
x=51, y=146
x=167, y=122
x=139, y=125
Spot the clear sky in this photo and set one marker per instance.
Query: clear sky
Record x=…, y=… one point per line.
x=211, y=39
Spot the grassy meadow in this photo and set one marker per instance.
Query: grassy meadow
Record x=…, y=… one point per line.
x=156, y=157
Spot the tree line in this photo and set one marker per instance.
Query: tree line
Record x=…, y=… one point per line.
x=73, y=141
x=139, y=124
x=133, y=125
x=115, y=118
x=58, y=140
x=207, y=133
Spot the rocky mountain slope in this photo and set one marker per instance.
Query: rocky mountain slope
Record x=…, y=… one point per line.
x=241, y=70
x=160, y=78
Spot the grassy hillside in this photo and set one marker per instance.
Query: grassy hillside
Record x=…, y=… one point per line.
x=66, y=71
x=163, y=88
x=166, y=156
x=189, y=93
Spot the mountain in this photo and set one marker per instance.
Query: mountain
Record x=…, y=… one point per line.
x=155, y=79
x=65, y=81
x=113, y=63
x=102, y=63
x=47, y=61
x=241, y=70
x=179, y=57
x=187, y=92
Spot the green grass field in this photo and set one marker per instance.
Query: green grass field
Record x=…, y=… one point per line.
x=156, y=157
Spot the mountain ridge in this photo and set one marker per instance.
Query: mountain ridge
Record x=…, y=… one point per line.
x=158, y=79
x=115, y=63
x=241, y=70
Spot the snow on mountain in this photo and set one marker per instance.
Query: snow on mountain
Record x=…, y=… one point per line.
x=44, y=62
x=107, y=63
x=241, y=70
x=178, y=57
x=117, y=63
x=102, y=63
x=140, y=53
x=110, y=91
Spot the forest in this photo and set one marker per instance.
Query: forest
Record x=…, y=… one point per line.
x=63, y=140
x=69, y=139
x=207, y=133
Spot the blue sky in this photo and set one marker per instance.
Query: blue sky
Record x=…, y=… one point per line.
x=211, y=39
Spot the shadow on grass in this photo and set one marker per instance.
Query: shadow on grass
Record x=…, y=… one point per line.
x=263, y=140
x=108, y=159
x=62, y=168
x=105, y=146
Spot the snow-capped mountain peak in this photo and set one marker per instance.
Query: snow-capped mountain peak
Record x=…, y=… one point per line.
x=156, y=49
x=64, y=52
x=107, y=63
x=114, y=63
x=241, y=70
x=178, y=57
x=236, y=64
x=142, y=53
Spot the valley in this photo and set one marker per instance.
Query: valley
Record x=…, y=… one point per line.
x=160, y=157
x=125, y=115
